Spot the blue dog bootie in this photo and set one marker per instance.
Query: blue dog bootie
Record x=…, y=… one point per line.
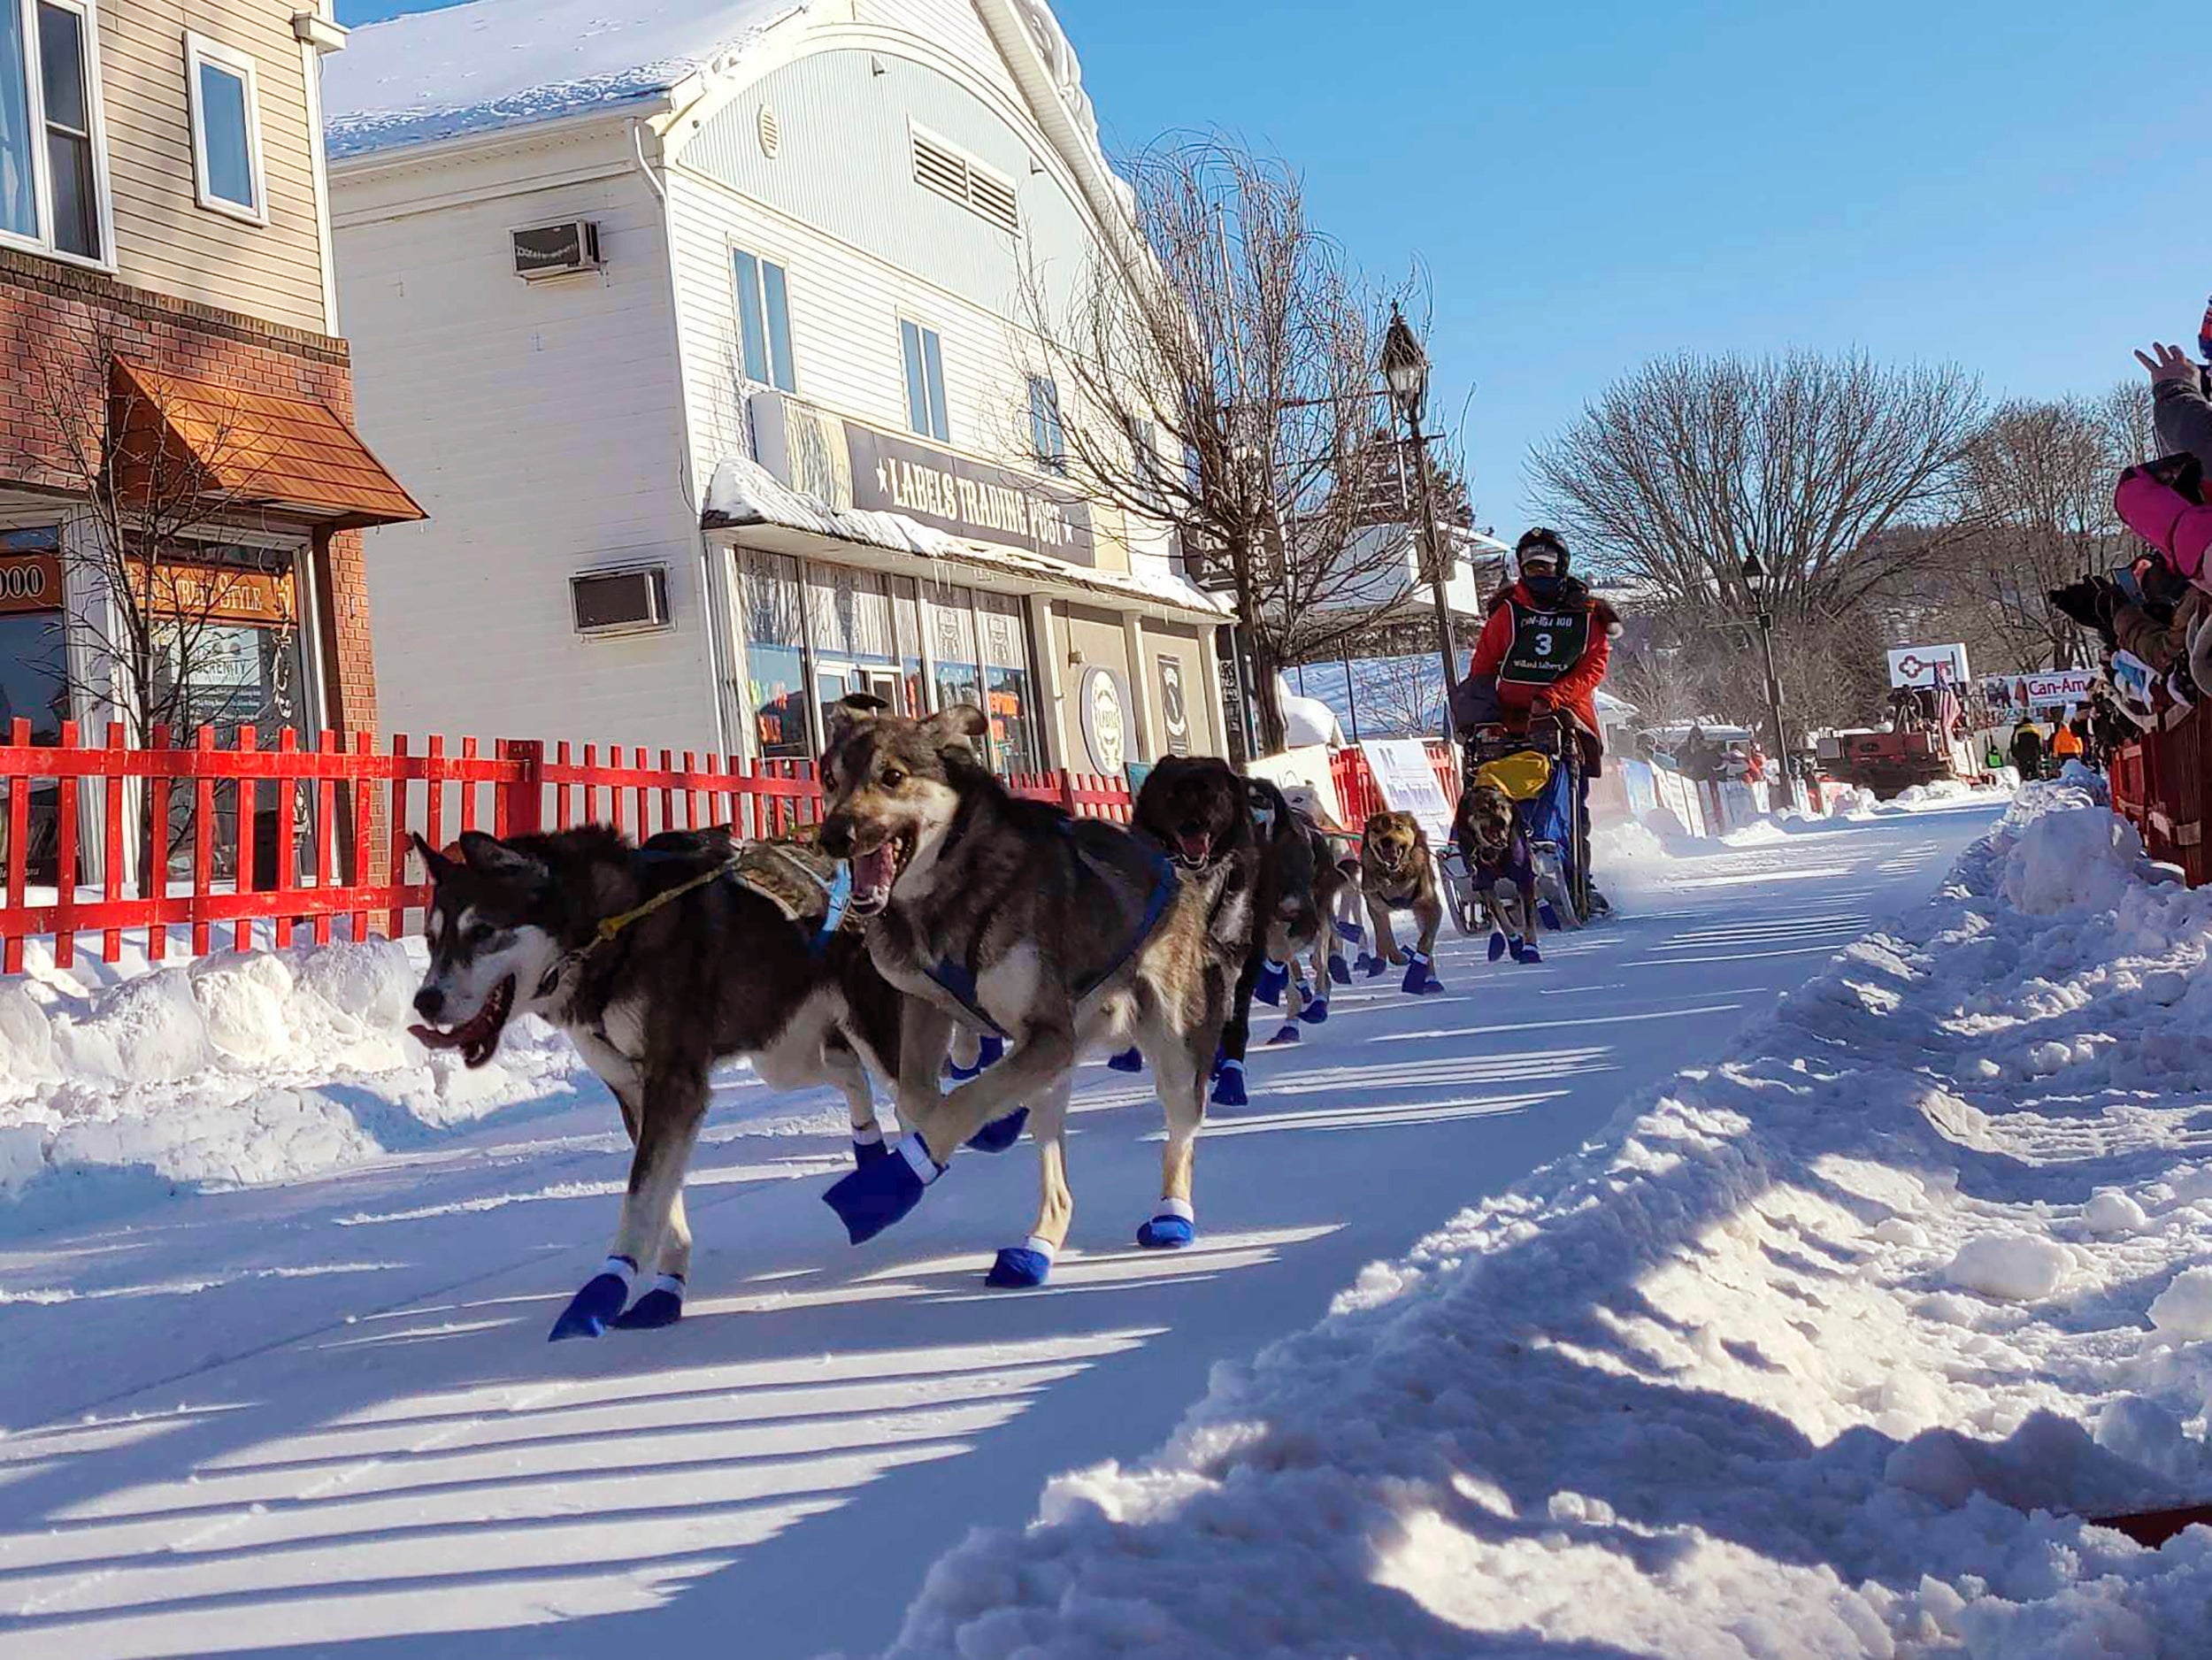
x=868, y=1147
x=1288, y=1034
x=1498, y=945
x=1173, y=1224
x=988, y=1052
x=1130, y=1060
x=1000, y=1134
x=1316, y=1011
x=1019, y=1267
x=1548, y=915
x=1352, y=931
x=876, y=1194
x=1526, y=951
x=1371, y=966
x=1274, y=977
x=602, y=1298
x=662, y=1304
x=1420, y=978
x=1229, y=1086
x=1340, y=970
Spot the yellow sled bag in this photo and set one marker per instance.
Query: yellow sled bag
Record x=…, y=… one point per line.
x=1522, y=775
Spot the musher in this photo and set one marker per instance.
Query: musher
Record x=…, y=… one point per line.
x=1543, y=649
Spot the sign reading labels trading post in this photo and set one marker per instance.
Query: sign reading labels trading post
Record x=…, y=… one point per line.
x=970, y=499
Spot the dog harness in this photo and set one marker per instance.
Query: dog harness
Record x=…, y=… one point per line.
x=956, y=979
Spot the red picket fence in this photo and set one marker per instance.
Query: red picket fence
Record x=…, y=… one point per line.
x=1357, y=794
x=314, y=842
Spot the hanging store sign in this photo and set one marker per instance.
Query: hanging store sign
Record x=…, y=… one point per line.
x=969, y=499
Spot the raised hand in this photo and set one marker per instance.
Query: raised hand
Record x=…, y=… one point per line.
x=2167, y=362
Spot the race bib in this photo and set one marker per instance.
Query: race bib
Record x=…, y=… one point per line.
x=1546, y=644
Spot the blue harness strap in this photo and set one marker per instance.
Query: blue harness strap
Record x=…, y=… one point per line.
x=957, y=979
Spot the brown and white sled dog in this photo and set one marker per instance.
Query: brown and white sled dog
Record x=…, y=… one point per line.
x=1397, y=871
x=714, y=971
x=1058, y=935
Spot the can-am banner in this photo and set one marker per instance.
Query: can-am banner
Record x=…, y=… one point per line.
x=2052, y=690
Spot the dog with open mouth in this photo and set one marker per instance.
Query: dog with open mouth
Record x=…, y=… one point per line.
x=1500, y=867
x=1397, y=871
x=1057, y=936
x=657, y=961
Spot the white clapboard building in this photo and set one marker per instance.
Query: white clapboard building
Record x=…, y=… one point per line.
x=696, y=327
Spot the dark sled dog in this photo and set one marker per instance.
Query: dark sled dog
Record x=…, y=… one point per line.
x=1397, y=872
x=1235, y=836
x=699, y=965
x=1055, y=934
x=1500, y=868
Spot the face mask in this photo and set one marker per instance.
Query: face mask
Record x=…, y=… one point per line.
x=1543, y=590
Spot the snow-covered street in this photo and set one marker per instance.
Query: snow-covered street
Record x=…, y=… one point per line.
x=321, y=1416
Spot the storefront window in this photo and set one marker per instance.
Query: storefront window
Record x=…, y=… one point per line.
x=230, y=675
x=775, y=658
x=906, y=628
x=1007, y=684
x=32, y=684
x=951, y=624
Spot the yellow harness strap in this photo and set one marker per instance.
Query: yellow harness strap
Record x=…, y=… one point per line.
x=609, y=927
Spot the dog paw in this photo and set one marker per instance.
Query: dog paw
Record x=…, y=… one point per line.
x=873, y=1197
x=1315, y=1012
x=1000, y=1134
x=1229, y=1086
x=1020, y=1267
x=1340, y=970
x=1269, y=988
x=1170, y=1228
x=1526, y=952
x=1288, y=1034
x=590, y=1309
x=663, y=1305
x=1498, y=947
x=1130, y=1060
x=1548, y=915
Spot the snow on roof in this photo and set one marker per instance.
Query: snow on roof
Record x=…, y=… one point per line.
x=743, y=492
x=502, y=63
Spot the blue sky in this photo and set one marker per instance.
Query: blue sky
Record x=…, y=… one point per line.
x=2024, y=188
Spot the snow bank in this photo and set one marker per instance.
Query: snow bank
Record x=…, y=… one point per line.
x=241, y=1067
x=1826, y=1350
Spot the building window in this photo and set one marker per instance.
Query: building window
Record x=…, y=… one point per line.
x=774, y=618
x=226, y=130
x=925, y=381
x=51, y=164
x=949, y=616
x=764, y=321
x=1048, y=443
x=1007, y=685
x=1144, y=455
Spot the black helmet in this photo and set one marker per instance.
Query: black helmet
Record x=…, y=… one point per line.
x=1543, y=541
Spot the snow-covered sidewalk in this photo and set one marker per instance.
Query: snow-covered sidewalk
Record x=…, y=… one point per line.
x=1825, y=1350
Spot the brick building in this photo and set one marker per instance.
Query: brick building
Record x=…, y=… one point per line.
x=181, y=490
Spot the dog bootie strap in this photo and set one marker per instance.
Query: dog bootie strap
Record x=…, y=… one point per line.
x=600, y=1300
x=1173, y=1224
x=1019, y=1267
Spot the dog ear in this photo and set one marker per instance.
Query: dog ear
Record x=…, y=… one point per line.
x=488, y=856
x=952, y=728
x=436, y=862
x=853, y=709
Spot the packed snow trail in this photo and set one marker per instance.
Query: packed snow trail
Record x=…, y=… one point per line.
x=322, y=1418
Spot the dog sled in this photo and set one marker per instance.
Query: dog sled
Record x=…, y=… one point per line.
x=1540, y=771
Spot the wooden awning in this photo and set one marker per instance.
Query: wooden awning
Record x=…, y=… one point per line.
x=178, y=436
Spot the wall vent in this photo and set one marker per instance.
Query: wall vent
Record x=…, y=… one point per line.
x=959, y=177
x=770, y=132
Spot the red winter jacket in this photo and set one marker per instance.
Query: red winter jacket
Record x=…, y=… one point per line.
x=2169, y=522
x=1575, y=688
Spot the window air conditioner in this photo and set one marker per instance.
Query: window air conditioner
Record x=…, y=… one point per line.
x=621, y=602
x=557, y=250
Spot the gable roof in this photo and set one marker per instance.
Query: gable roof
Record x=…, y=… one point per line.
x=492, y=64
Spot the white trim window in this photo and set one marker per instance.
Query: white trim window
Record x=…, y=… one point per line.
x=53, y=148
x=924, y=356
x=763, y=321
x=225, y=98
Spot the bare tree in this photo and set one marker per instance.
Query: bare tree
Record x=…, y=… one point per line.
x=1214, y=373
x=1401, y=696
x=165, y=491
x=1684, y=467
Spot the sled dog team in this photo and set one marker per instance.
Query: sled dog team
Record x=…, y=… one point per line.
x=937, y=921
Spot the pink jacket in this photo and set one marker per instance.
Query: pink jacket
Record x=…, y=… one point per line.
x=2169, y=522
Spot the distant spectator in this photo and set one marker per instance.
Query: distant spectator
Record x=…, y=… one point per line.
x=2066, y=744
x=2027, y=750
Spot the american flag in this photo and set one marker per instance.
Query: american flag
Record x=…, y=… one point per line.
x=1949, y=714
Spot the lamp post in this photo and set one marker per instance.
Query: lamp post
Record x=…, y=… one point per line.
x=1405, y=369
x=1754, y=580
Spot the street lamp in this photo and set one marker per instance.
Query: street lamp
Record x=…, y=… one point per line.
x=1754, y=581
x=1405, y=371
